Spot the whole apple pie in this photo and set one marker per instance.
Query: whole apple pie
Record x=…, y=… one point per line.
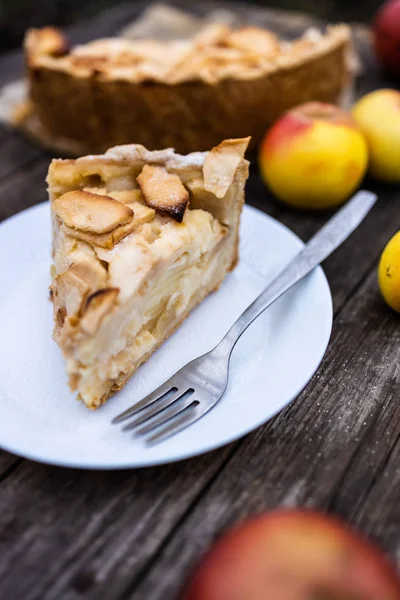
x=185, y=94
x=139, y=239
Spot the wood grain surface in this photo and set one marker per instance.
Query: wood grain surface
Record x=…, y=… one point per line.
x=73, y=535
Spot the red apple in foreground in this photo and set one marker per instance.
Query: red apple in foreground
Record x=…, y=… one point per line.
x=386, y=30
x=293, y=555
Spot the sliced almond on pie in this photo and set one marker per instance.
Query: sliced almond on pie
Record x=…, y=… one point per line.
x=163, y=191
x=89, y=212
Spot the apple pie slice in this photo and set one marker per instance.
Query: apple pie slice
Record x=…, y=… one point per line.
x=139, y=239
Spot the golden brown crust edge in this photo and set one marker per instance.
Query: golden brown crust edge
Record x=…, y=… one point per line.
x=188, y=116
x=48, y=41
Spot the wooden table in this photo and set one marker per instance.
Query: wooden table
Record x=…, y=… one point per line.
x=70, y=534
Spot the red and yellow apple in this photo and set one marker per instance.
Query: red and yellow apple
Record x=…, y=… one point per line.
x=378, y=116
x=314, y=156
x=386, y=33
x=293, y=555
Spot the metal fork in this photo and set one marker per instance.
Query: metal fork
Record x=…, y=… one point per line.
x=197, y=387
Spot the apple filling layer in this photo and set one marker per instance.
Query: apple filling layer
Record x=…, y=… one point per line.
x=158, y=282
x=138, y=241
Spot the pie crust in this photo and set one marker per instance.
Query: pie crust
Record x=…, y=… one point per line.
x=139, y=239
x=182, y=94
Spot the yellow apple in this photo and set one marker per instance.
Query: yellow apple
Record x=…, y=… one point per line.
x=378, y=116
x=389, y=273
x=314, y=156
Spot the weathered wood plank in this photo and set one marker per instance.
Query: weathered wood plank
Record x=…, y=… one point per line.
x=23, y=189
x=74, y=535
x=16, y=152
x=8, y=462
x=81, y=562
x=73, y=527
x=348, y=266
x=75, y=568
x=326, y=450
x=378, y=514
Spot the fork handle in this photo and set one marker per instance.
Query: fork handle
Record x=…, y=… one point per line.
x=319, y=247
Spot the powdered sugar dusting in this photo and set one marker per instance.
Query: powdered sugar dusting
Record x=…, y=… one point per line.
x=195, y=159
x=136, y=154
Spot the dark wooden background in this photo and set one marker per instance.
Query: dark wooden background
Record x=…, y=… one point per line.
x=73, y=535
x=17, y=15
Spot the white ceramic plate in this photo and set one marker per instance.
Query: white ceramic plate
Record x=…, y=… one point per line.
x=271, y=364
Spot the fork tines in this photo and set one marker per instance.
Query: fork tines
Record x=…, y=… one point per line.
x=162, y=413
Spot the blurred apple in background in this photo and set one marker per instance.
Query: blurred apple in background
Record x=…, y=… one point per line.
x=378, y=116
x=293, y=555
x=314, y=156
x=386, y=31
